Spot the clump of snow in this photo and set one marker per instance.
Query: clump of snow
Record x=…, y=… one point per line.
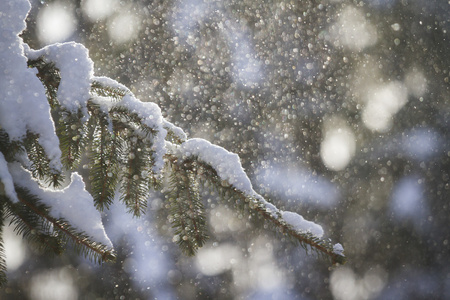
x=72, y=203
x=227, y=165
x=23, y=106
x=338, y=249
x=76, y=69
x=300, y=224
x=271, y=209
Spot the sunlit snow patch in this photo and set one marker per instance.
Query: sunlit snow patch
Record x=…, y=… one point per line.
x=76, y=69
x=55, y=23
x=226, y=164
x=24, y=106
x=300, y=224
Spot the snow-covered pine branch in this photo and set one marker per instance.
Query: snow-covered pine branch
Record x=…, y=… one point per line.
x=54, y=113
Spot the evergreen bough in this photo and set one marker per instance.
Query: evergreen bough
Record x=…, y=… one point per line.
x=123, y=153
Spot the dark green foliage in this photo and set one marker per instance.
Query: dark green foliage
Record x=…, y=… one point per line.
x=130, y=125
x=27, y=218
x=50, y=78
x=187, y=214
x=9, y=148
x=106, y=91
x=3, y=278
x=105, y=154
x=40, y=167
x=135, y=177
x=71, y=132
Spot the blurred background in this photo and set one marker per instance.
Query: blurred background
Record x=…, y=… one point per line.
x=339, y=111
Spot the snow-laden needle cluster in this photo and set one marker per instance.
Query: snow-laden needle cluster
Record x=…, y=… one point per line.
x=55, y=114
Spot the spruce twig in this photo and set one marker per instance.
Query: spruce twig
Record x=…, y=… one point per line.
x=187, y=214
x=3, y=269
x=65, y=233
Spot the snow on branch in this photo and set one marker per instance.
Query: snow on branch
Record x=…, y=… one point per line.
x=227, y=168
x=53, y=110
x=72, y=203
x=76, y=70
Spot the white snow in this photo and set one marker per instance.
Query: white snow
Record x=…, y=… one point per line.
x=227, y=165
x=338, y=249
x=76, y=69
x=300, y=224
x=23, y=104
x=72, y=203
x=270, y=208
